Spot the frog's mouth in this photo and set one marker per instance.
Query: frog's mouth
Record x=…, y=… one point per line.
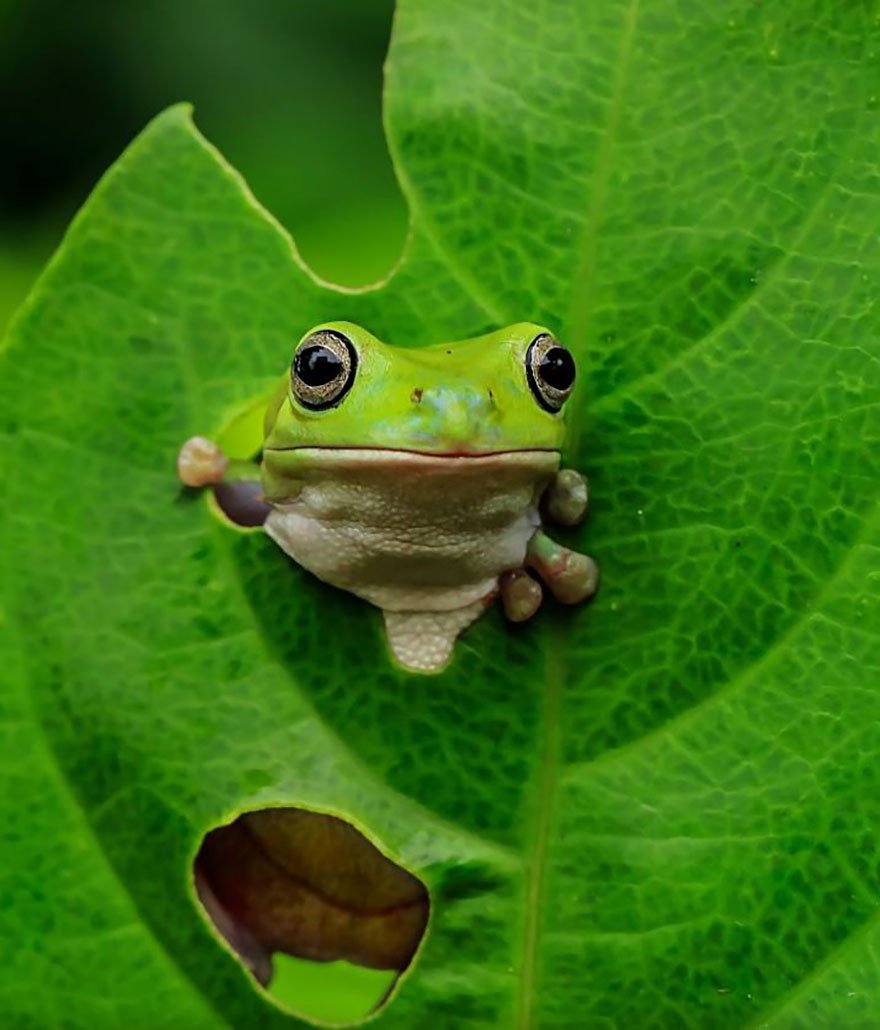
x=526, y=456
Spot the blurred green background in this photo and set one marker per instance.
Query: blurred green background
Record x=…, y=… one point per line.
x=289, y=90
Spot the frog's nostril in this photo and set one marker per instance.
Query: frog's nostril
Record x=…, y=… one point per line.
x=416, y=395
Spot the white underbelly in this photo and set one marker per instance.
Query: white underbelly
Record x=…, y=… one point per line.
x=412, y=538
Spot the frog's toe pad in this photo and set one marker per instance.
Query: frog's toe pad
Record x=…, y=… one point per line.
x=200, y=462
x=521, y=595
x=570, y=577
x=575, y=580
x=423, y=641
x=567, y=498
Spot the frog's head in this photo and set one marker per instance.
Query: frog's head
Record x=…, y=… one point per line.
x=505, y=391
x=499, y=394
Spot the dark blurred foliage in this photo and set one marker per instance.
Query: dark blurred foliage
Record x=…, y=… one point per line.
x=289, y=90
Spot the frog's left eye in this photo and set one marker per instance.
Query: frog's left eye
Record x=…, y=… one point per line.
x=550, y=370
x=323, y=369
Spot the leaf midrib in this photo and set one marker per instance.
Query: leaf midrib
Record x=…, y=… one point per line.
x=548, y=777
x=557, y=656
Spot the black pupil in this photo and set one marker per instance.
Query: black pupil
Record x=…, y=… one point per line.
x=318, y=365
x=556, y=368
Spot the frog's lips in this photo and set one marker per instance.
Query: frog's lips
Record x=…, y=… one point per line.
x=528, y=456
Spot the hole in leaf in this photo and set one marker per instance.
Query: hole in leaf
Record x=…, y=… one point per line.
x=323, y=920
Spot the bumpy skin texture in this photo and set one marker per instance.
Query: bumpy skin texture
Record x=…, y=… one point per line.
x=421, y=486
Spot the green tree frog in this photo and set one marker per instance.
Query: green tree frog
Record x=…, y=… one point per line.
x=418, y=479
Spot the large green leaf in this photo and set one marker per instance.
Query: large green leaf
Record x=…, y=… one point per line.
x=661, y=811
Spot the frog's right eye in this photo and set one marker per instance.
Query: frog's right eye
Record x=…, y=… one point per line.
x=550, y=370
x=323, y=369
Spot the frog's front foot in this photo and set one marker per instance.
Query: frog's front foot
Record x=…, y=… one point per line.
x=201, y=462
x=571, y=577
x=566, y=498
x=521, y=595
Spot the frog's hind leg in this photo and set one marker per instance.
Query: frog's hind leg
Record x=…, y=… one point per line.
x=423, y=641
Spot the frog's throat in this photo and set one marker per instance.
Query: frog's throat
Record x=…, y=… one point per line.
x=408, y=532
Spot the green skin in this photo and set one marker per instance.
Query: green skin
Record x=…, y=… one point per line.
x=473, y=398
